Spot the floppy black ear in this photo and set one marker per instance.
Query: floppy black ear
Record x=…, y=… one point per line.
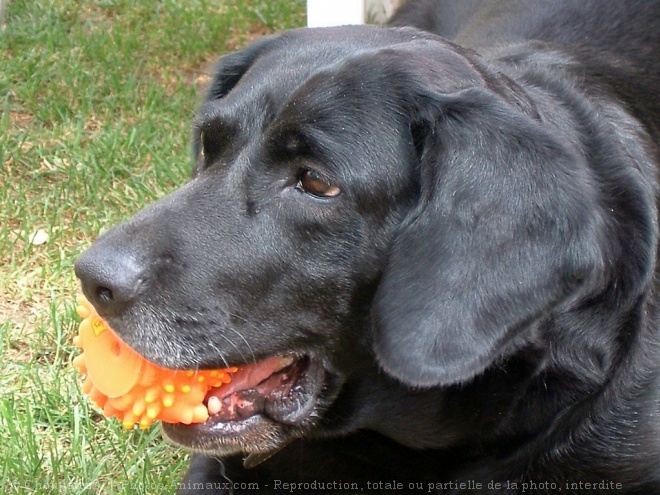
x=506, y=227
x=231, y=68
x=227, y=73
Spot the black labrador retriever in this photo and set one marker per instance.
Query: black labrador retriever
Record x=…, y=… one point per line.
x=434, y=261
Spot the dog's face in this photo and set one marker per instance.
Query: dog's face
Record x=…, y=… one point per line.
x=360, y=196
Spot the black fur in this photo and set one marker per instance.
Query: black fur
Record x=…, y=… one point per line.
x=481, y=297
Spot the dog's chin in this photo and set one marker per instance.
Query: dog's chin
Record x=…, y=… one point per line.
x=265, y=406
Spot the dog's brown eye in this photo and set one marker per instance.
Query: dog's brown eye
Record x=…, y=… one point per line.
x=312, y=183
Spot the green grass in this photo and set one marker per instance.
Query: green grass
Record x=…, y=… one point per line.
x=95, y=103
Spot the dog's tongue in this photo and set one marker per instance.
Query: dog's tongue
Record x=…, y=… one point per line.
x=238, y=398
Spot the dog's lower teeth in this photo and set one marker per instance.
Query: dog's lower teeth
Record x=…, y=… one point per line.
x=214, y=405
x=286, y=361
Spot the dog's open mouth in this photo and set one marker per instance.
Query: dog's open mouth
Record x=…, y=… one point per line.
x=276, y=387
x=265, y=406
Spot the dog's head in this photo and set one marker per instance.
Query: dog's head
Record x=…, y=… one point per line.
x=360, y=195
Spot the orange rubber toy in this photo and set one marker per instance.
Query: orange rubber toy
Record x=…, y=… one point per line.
x=126, y=386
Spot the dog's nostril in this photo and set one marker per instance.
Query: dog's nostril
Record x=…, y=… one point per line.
x=104, y=295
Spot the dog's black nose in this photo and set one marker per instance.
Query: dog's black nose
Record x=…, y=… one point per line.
x=111, y=278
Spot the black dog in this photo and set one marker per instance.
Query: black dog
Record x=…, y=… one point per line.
x=436, y=266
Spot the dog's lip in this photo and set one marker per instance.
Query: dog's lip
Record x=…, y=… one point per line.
x=224, y=437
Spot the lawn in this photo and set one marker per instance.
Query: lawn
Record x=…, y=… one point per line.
x=95, y=103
